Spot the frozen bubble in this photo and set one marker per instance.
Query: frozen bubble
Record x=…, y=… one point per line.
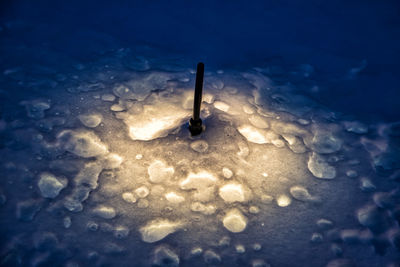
x=165, y=257
x=35, y=109
x=205, y=209
x=128, y=197
x=234, y=221
x=221, y=106
x=336, y=249
x=121, y=232
x=50, y=186
x=159, y=172
x=243, y=149
x=142, y=192
x=203, y=183
x=143, y=203
x=283, y=201
x=259, y=263
x=385, y=200
x=208, y=98
x=253, y=134
x=316, y=238
x=117, y=108
x=91, y=120
x=108, y=97
x=240, y=249
x=341, y=263
x=174, y=198
x=257, y=246
x=324, y=224
x=67, y=222
x=225, y=241
x=82, y=143
x=73, y=205
x=258, y=121
x=351, y=173
x=278, y=143
x=254, y=210
x=248, y=109
x=200, y=146
x=302, y=194
x=45, y=241
x=232, y=192
x=367, y=185
x=92, y=226
x=320, y=168
x=324, y=142
x=227, y=173
x=104, y=212
x=350, y=236
x=356, y=127
x=212, y=258
x=157, y=229
x=196, y=251
x=266, y=199
x=139, y=156
x=370, y=216
x=112, y=161
x=89, y=175
x=27, y=210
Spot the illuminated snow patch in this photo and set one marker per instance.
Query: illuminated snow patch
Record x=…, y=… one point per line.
x=232, y=193
x=85, y=144
x=159, y=172
x=234, y=221
x=157, y=229
x=252, y=134
x=174, y=198
x=203, y=183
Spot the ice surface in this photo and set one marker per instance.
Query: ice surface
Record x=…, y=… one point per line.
x=234, y=221
x=27, y=209
x=82, y=143
x=112, y=161
x=258, y=121
x=91, y=120
x=159, y=172
x=158, y=229
x=50, y=186
x=104, y=212
x=320, y=168
x=36, y=109
x=253, y=134
x=324, y=142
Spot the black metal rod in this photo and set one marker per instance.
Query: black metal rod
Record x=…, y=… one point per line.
x=198, y=91
x=195, y=123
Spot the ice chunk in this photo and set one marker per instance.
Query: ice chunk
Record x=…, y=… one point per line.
x=324, y=224
x=165, y=257
x=302, y=194
x=117, y=108
x=92, y=226
x=91, y=120
x=27, y=210
x=232, y=192
x=174, y=198
x=316, y=238
x=200, y=146
x=234, y=221
x=67, y=222
x=205, y=209
x=128, y=197
x=258, y=121
x=89, y=175
x=240, y=248
x=35, y=109
x=283, y=200
x=212, y=258
x=157, y=229
x=367, y=185
x=50, y=186
x=121, y=232
x=142, y=192
x=196, y=251
x=82, y=143
x=112, y=161
x=370, y=216
x=159, y=172
x=253, y=134
x=156, y=121
x=259, y=263
x=221, y=106
x=295, y=144
x=324, y=142
x=356, y=127
x=320, y=168
x=45, y=241
x=108, y=97
x=203, y=183
x=104, y=212
x=227, y=173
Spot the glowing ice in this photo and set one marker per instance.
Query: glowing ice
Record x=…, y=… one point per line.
x=104, y=212
x=157, y=229
x=283, y=201
x=253, y=134
x=159, y=172
x=320, y=168
x=234, y=221
x=221, y=106
x=203, y=182
x=50, y=186
x=91, y=120
x=82, y=143
x=174, y=198
x=232, y=193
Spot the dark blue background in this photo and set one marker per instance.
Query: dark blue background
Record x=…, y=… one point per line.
x=332, y=36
